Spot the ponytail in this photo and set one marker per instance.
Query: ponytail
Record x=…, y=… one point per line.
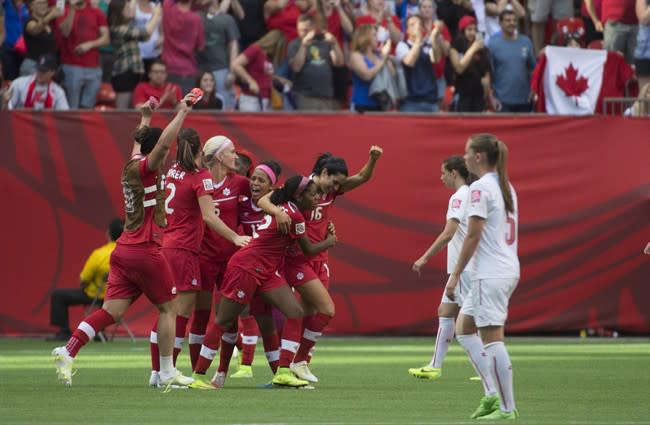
x=497, y=156
x=189, y=145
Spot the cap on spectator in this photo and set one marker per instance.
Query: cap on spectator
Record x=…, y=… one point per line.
x=466, y=21
x=46, y=63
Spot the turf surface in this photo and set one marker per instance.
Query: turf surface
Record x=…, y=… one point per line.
x=363, y=381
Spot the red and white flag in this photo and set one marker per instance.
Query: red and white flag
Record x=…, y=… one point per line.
x=570, y=81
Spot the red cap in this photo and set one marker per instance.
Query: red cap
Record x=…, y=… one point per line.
x=466, y=21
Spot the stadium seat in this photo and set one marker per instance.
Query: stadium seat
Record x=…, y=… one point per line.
x=106, y=95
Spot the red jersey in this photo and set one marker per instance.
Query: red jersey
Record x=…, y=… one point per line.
x=85, y=27
x=184, y=219
x=144, y=196
x=285, y=21
x=317, y=221
x=250, y=216
x=264, y=254
x=225, y=198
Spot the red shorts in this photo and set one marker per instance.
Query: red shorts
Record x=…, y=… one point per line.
x=300, y=272
x=259, y=306
x=240, y=286
x=185, y=269
x=137, y=269
x=211, y=274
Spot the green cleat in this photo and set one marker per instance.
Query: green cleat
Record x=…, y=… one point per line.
x=285, y=378
x=488, y=405
x=201, y=382
x=244, y=371
x=426, y=372
x=500, y=415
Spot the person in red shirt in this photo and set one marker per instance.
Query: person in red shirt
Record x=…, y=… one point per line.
x=80, y=33
x=619, y=25
x=283, y=15
x=388, y=25
x=188, y=205
x=168, y=94
x=252, y=269
x=137, y=266
x=310, y=275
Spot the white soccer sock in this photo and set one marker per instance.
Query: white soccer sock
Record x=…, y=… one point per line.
x=501, y=367
x=479, y=359
x=166, y=366
x=445, y=334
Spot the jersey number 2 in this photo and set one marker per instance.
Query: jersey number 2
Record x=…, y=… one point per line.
x=266, y=222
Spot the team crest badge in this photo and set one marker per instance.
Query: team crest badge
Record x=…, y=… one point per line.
x=226, y=191
x=241, y=294
x=195, y=282
x=300, y=276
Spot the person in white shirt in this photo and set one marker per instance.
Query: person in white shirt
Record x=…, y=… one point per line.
x=38, y=91
x=491, y=243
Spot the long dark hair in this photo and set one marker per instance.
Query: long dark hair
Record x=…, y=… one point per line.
x=189, y=145
x=147, y=137
x=115, y=15
x=333, y=165
x=288, y=191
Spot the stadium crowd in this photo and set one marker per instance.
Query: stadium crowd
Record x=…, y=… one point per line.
x=325, y=55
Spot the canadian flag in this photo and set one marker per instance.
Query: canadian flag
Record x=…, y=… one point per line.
x=570, y=81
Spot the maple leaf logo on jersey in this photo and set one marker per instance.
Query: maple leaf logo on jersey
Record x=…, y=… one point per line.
x=241, y=294
x=571, y=84
x=226, y=191
x=300, y=276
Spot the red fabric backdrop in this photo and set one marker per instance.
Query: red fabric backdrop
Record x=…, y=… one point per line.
x=583, y=185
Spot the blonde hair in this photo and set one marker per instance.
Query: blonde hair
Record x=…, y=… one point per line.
x=497, y=156
x=362, y=38
x=274, y=44
x=213, y=147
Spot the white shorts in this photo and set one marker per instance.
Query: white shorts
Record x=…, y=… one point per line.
x=462, y=290
x=490, y=300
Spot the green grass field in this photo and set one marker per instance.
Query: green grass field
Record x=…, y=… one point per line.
x=363, y=381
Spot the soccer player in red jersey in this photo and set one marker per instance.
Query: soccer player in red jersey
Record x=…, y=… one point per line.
x=188, y=205
x=137, y=265
x=219, y=156
x=310, y=275
x=250, y=271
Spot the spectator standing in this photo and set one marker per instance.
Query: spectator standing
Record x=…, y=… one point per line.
x=642, y=51
x=38, y=91
x=312, y=57
x=13, y=15
x=128, y=68
x=92, y=283
x=83, y=30
x=250, y=22
x=150, y=49
x=512, y=61
x=471, y=63
x=417, y=58
x=39, y=38
x=590, y=29
x=254, y=67
x=388, y=25
x=283, y=15
x=221, y=49
x=493, y=9
x=452, y=11
x=428, y=15
x=168, y=94
x=619, y=25
x=184, y=36
x=539, y=13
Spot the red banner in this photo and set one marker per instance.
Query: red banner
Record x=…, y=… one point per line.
x=583, y=186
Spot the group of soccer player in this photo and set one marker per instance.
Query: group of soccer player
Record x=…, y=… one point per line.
x=184, y=249
x=481, y=238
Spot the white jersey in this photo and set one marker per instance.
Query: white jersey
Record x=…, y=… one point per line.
x=457, y=210
x=496, y=255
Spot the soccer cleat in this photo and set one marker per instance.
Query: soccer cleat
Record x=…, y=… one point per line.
x=154, y=379
x=200, y=382
x=244, y=371
x=487, y=405
x=301, y=370
x=426, y=372
x=63, y=363
x=285, y=378
x=218, y=379
x=475, y=378
x=175, y=380
x=500, y=415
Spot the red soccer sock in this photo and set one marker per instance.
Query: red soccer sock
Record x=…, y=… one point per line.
x=181, y=328
x=314, y=326
x=272, y=350
x=290, y=340
x=209, y=348
x=87, y=330
x=153, y=348
x=228, y=341
x=197, y=334
x=249, y=331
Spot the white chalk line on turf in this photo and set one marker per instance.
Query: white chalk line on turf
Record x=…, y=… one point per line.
x=585, y=422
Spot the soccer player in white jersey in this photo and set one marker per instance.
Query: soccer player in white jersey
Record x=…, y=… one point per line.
x=454, y=175
x=492, y=242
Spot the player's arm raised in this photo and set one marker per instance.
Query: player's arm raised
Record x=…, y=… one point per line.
x=365, y=173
